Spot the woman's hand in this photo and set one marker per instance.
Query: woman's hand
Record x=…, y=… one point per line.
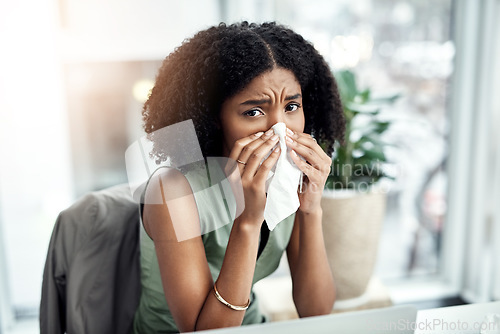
x=249, y=152
x=316, y=168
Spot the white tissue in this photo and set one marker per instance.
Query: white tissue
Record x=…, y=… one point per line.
x=282, y=198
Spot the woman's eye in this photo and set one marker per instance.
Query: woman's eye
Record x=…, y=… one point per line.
x=292, y=107
x=252, y=113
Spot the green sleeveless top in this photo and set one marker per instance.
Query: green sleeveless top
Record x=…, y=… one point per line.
x=153, y=314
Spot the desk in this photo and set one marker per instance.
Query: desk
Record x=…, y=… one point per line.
x=361, y=322
x=396, y=319
x=464, y=319
x=275, y=298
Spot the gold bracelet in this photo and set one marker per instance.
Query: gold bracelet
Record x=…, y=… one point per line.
x=231, y=306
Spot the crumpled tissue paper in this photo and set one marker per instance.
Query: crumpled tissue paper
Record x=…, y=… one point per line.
x=282, y=197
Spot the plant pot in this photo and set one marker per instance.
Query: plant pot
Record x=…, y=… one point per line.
x=352, y=223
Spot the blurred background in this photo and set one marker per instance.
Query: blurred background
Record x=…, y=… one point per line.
x=74, y=75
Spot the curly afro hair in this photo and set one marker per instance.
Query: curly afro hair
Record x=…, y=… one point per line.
x=215, y=64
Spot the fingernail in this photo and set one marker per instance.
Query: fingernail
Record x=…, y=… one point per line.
x=258, y=134
x=269, y=132
x=289, y=140
x=294, y=154
x=277, y=149
x=290, y=132
x=274, y=138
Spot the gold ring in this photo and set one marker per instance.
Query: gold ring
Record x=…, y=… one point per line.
x=241, y=162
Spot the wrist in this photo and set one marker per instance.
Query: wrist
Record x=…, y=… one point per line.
x=250, y=225
x=315, y=212
x=310, y=218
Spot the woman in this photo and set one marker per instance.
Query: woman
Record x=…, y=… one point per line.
x=235, y=82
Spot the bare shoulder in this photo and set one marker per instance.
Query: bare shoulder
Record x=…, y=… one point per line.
x=166, y=184
x=171, y=219
x=170, y=211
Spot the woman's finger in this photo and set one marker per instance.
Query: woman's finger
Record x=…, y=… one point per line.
x=255, y=159
x=311, y=151
x=304, y=166
x=267, y=165
x=308, y=141
x=239, y=146
x=241, y=143
x=247, y=151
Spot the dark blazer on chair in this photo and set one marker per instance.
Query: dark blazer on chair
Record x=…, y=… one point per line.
x=91, y=280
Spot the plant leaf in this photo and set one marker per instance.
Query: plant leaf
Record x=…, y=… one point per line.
x=375, y=154
x=372, y=128
x=364, y=96
x=374, y=139
x=385, y=99
x=346, y=83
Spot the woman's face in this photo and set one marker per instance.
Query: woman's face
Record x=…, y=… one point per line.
x=272, y=97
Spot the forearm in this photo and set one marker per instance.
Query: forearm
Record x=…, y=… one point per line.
x=235, y=278
x=313, y=286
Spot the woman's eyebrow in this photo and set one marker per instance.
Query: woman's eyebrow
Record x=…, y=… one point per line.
x=293, y=97
x=262, y=101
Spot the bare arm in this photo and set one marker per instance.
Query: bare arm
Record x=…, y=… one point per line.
x=313, y=286
x=186, y=277
x=184, y=270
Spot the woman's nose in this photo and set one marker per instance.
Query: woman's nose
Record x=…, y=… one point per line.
x=276, y=117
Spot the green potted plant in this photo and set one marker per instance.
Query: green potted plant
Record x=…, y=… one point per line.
x=353, y=206
x=358, y=163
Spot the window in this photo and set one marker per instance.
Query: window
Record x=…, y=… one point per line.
x=404, y=47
